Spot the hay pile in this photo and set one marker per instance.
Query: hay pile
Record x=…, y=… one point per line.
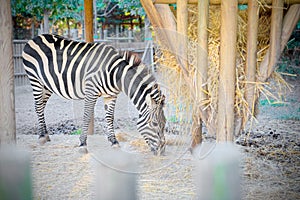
x=180, y=91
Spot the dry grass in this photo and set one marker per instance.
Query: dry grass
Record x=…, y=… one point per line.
x=184, y=92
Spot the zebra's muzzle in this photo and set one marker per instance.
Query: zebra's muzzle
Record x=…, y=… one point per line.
x=159, y=151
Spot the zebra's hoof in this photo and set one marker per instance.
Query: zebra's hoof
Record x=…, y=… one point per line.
x=42, y=140
x=83, y=150
x=116, y=145
x=47, y=138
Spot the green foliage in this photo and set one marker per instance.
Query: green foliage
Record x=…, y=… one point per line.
x=58, y=8
x=77, y=132
x=133, y=7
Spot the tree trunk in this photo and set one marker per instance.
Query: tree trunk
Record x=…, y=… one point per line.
x=7, y=98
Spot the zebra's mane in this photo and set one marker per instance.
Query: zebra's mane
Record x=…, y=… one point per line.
x=131, y=58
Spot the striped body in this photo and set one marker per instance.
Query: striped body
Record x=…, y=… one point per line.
x=79, y=70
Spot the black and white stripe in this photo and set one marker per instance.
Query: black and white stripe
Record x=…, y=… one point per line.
x=80, y=70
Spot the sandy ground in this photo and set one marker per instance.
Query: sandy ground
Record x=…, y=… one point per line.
x=269, y=162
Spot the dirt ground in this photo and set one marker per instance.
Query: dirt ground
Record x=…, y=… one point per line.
x=269, y=161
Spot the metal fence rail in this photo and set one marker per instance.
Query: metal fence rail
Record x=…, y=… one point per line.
x=20, y=75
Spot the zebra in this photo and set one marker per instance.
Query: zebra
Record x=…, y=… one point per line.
x=80, y=70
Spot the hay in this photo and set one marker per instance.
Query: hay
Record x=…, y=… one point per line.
x=172, y=75
x=122, y=137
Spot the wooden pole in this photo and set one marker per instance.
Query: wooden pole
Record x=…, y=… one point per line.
x=250, y=69
x=88, y=24
x=289, y=22
x=169, y=21
x=225, y=115
x=182, y=30
x=88, y=20
x=7, y=96
x=275, y=36
x=218, y=2
x=165, y=36
x=202, y=67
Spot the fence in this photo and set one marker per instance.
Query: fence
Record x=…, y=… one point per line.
x=20, y=75
x=142, y=48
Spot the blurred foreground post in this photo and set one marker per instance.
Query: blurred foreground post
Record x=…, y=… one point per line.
x=116, y=176
x=217, y=171
x=15, y=174
x=7, y=96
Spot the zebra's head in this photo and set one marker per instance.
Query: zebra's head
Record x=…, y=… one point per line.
x=151, y=123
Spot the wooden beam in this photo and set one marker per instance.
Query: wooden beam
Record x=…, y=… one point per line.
x=218, y=2
x=88, y=25
x=7, y=95
x=226, y=93
x=251, y=60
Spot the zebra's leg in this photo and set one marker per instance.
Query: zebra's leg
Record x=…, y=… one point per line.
x=109, y=105
x=41, y=96
x=89, y=105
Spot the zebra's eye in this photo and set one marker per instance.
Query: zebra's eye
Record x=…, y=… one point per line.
x=154, y=123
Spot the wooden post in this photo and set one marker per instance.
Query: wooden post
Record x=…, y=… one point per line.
x=88, y=20
x=275, y=36
x=116, y=172
x=202, y=67
x=182, y=29
x=225, y=115
x=7, y=96
x=250, y=69
x=289, y=22
x=219, y=165
x=15, y=172
x=88, y=24
x=165, y=37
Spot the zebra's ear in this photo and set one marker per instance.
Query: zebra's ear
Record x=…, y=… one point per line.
x=162, y=101
x=155, y=86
